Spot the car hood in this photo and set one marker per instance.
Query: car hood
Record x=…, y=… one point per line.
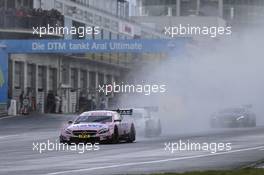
x=87, y=126
x=229, y=116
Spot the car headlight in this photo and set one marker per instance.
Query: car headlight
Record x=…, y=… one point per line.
x=68, y=131
x=104, y=130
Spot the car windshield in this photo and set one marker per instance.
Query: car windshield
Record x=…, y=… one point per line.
x=94, y=119
x=232, y=111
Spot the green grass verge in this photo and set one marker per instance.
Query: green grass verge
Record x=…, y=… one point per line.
x=247, y=171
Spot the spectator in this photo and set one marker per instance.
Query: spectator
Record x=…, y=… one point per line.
x=21, y=98
x=83, y=102
x=93, y=103
x=51, y=104
x=20, y=13
x=58, y=103
x=103, y=103
x=25, y=105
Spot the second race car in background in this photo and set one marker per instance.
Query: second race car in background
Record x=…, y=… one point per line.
x=99, y=126
x=234, y=117
x=146, y=122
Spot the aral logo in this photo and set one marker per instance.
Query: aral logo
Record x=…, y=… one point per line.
x=2, y=80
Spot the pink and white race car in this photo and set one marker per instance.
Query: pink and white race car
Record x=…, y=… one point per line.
x=99, y=126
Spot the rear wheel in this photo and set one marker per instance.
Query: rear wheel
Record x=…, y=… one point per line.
x=132, y=135
x=115, y=136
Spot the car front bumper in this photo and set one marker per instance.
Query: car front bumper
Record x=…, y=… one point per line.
x=90, y=138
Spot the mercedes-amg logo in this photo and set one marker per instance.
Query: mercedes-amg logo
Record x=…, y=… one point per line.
x=84, y=133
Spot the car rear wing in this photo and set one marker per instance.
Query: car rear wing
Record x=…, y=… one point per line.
x=124, y=111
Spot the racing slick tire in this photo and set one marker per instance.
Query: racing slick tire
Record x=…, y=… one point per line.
x=63, y=141
x=132, y=134
x=115, y=136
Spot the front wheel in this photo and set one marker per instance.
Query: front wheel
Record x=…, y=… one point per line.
x=63, y=141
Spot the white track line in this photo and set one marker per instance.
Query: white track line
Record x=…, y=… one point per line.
x=7, y=136
x=154, y=161
x=1, y=118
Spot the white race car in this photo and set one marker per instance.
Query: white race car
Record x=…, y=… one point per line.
x=146, y=122
x=99, y=126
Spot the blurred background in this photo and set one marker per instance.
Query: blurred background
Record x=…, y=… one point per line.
x=202, y=76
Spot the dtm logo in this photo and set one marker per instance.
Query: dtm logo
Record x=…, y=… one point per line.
x=2, y=79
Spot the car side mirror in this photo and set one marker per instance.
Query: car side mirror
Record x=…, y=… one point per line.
x=70, y=122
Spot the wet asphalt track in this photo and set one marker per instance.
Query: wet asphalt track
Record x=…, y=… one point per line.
x=17, y=135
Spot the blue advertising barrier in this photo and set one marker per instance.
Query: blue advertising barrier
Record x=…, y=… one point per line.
x=91, y=46
x=79, y=46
